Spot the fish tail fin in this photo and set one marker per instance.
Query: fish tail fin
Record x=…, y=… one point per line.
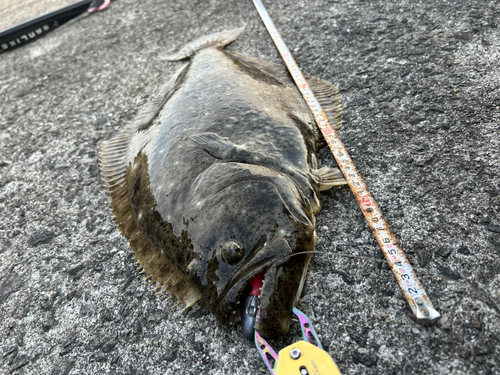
x=220, y=39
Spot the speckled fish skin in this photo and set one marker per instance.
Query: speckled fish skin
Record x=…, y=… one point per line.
x=222, y=184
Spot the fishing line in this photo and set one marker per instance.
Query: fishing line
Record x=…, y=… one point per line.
x=336, y=254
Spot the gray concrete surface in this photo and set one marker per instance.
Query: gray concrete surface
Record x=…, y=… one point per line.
x=420, y=81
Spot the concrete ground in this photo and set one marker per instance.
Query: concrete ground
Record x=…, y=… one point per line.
x=420, y=81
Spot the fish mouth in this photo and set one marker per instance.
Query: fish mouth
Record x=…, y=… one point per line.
x=267, y=256
x=282, y=275
x=232, y=297
x=280, y=288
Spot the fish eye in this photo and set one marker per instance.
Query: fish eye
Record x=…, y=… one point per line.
x=232, y=252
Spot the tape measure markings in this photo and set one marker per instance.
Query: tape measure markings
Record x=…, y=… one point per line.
x=410, y=285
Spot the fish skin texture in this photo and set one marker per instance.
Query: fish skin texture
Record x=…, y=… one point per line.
x=217, y=180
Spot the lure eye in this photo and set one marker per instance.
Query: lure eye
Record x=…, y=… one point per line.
x=232, y=252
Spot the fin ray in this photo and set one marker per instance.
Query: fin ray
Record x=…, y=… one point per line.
x=114, y=165
x=328, y=97
x=328, y=177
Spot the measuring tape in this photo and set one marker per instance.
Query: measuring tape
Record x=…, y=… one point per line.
x=410, y=285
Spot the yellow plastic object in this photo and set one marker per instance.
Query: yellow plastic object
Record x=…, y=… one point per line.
x=310, y=360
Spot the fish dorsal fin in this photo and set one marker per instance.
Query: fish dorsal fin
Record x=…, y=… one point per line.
x=326, y=93
x=221, y=39
x=329, y=98
x=278, y=71
x=114, y=164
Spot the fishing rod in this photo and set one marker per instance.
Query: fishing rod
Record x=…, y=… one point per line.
x=27, y=32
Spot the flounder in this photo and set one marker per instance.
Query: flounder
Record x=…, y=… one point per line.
x=217, y=180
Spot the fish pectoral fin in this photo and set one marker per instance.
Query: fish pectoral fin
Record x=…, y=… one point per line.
x=221, y=39
x=329, y=98
x=224, y=149
x=215, y=145
x=328, y=177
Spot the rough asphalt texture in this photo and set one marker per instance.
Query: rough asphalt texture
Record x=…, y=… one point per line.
x=420, y=82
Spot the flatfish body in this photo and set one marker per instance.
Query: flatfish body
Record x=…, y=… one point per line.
x=217, y=181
